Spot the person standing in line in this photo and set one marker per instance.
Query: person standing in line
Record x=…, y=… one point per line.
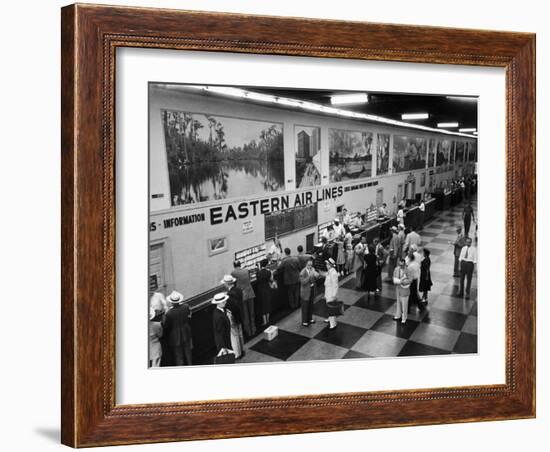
x=339, y=231
x=359, y=262
x=414, y=268
x=381, y=257
x=349, y=259
x=178, y=331
x=243, y=282
x=331, y=292
x=402, y=237
x=468, y=258
x=383, y=211
x=234, y=310
x=308, y=277
x=290, y=266
x=401, y=217
x=340, y=256
x=370, y=274
x=425, y=276
x=402, y=282
x=413, y=238
x=467, y=217
x=221, y=324
x=302, y=257
x=394, y=253
x=422, y=208
x=459, y=243
x=155, y=334
x=264, y=282
x=276, y=250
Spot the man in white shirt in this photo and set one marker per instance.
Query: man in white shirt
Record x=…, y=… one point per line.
x=413, y=238
x=383, y=211
x=346, y=218
x=339, y=230
x=468, y=258
x=329, y=233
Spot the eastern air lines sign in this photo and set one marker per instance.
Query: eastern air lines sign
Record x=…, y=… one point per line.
x=239, y=211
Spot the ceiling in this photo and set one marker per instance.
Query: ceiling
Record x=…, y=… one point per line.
x=440, y=108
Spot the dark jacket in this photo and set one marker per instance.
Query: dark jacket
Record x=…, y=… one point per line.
x=243, y=282
x=264, y=290
x=177, y=330
x=290, y=266
x=222, y=329
x=425, y=282
x=303, y=259
x=234, y=304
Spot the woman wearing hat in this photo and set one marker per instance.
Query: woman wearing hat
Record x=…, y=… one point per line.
x=177, y=331
x=331, y=291
x=221, y=324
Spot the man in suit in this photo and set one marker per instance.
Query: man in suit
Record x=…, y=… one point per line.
x=243, y=282
x=468, y=259
x=220, y=323
x=235, y=305
x=413, y=239
x=177, y=331
x=459, y=243
x=290, y=266
x=308, y=276
x=303, y=258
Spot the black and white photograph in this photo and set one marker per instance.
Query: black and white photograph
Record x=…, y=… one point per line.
x=294, y=224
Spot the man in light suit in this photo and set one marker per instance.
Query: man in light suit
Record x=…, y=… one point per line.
x=243, y=282
x=308, y=276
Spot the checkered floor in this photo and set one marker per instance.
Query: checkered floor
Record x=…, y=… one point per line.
x=367, y=329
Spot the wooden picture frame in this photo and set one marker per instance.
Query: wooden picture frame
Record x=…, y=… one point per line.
x=90, y=36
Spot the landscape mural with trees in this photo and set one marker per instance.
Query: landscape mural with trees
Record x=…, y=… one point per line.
x=212, y=157
x=350, y=154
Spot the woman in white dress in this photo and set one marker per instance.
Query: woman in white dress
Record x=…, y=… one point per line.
x=331, y=291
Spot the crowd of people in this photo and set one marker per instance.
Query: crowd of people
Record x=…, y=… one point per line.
x=404, y=259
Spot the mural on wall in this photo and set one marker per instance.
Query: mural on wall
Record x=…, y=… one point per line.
x=350, y=154
x=431, y=153
x=452, y=153
x=308, y=156
x=408, y=153
x=460, y=146
x=443, y=150
x=382, y=154
x=217, y=157
x=472, y=151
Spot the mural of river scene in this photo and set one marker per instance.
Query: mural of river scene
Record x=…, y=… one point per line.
x=383, y=154
x=459, y=151
x=472, y=152
x=215, y=157
x=408, y=153
x=443, y=151
x=308, y=156
x=431, y=153
x=350, y=154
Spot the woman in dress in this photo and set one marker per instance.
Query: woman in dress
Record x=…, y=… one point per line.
x=425, y=284
x=341, y=256
x=331, y=292
x=371, y=270
x=264, y=281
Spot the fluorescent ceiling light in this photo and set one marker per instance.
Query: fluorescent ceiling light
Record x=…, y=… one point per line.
x=288, y=102
x=447, y=124
x=475, y=133
x=260, y=97
x=464, y=98
x=226, y=90
x=467, y=129
x=405, y=116
x=340, y=99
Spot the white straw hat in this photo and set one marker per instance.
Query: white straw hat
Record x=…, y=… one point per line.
x=175, y=297
x=220, y=298
x=330, y=260
x=228, y=279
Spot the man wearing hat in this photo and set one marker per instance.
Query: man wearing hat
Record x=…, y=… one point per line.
x=338, y=228
x=177, y=331
x=221, y=324
x=395, y=252
x=235, y=306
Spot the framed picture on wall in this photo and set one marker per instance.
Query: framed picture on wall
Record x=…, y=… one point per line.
x=184, y=123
